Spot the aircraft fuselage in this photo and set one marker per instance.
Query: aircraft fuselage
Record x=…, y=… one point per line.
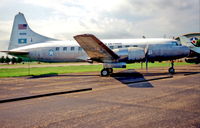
x=70, y=51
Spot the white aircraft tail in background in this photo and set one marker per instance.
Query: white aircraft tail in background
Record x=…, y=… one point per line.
x=192, y=45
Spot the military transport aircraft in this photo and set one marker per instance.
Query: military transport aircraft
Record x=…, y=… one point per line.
x=112, y=53
x=194, y=45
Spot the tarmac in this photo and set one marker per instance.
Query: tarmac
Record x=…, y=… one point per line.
x=126, y=99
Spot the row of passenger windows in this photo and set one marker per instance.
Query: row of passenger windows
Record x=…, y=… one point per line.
x=120, y=46
x=80, y=49
x=68, y=48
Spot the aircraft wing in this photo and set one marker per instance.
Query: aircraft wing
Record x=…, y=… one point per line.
x=16, y=52
x=95, y=49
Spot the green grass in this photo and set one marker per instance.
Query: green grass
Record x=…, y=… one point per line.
x=12, y=72
x=8, y=72
x=152, y=65
x=32, y=63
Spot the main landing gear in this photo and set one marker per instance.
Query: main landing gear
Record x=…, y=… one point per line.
x=171, y=69
x=106, y=71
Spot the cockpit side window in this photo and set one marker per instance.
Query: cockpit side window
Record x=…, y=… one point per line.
x=174, y=43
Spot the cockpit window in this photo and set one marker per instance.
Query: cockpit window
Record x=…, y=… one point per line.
x=175, y=43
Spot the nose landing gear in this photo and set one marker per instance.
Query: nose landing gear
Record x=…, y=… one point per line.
x=171, y=70
x=106, y=71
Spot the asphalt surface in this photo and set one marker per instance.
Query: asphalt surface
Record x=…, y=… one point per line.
x=129, y=98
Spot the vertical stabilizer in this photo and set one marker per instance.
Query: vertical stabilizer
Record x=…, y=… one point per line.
x=22, y=35
x=187, y=42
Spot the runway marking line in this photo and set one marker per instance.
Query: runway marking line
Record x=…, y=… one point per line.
x=44, y=95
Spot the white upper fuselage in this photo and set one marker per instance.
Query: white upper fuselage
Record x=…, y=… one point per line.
x=70, y=51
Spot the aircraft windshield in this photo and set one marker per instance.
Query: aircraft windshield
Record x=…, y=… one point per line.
x=175, y=43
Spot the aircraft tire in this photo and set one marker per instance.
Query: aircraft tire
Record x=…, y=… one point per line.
x=171, y=70
x=110, y=70
x=105, y=72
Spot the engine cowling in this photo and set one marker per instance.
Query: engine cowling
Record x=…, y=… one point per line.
x=115, y=65
x=131, y=53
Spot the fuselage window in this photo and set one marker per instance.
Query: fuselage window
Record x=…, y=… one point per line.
x=64, y=48
x=120, y=46
x=111, y=47
x=80, y=49
x=72, y=48
x=57, y=48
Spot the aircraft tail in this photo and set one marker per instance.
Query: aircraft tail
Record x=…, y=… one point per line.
x=187, y=42
x=22, y=34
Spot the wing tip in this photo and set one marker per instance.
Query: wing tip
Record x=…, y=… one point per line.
x=84, y=35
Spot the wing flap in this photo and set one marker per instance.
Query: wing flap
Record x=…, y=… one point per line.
x=95, y=49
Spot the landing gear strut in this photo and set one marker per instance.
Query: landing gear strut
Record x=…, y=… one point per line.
x=171, y=69
x=106, y=71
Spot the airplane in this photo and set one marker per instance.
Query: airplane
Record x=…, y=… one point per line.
x=194, y=44
x=113, y=53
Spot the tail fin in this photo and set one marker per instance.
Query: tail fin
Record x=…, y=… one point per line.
x=22, y=35
x=187, y=42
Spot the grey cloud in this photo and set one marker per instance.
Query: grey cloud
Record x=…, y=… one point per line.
x=130, y=19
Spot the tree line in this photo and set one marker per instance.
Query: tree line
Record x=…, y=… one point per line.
x=12, y=60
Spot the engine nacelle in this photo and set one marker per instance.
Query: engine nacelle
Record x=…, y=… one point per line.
x=131, y=53
x=115, y=65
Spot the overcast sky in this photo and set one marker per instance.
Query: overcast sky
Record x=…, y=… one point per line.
x=62, y=19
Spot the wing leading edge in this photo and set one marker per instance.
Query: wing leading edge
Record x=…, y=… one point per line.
x=95, y=49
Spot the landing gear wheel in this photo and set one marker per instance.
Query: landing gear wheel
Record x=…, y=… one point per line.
x=105, y=72
x=110, y=70
x=171, y=70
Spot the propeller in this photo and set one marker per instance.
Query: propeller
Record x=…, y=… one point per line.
x=146, y=50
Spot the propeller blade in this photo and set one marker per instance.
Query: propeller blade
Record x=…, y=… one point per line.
x=146, y=64
x=146, y=56
x=141, y=65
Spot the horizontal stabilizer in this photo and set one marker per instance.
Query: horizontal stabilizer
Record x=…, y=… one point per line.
x=95, y=49
x=196, y=49
x=11, y=52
